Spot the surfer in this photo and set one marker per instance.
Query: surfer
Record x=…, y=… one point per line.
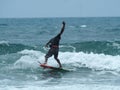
x=54, y=46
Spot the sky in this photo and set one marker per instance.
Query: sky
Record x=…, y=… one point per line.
x=59, y=8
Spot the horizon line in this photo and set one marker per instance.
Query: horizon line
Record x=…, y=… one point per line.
x=68, y=17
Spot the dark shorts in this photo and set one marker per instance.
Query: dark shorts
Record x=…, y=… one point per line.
x=52, y=51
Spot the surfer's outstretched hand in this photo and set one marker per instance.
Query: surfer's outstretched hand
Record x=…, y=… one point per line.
x=63, y=23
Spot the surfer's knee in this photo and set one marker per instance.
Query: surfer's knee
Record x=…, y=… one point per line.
x=47, y=56
x=56, y=58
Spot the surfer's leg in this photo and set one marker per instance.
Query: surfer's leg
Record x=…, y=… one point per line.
x=56, y=57
x=49, y=54
x=46, y=59
x=58, y=61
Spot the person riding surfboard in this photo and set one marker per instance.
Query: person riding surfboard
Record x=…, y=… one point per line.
x=54, y=46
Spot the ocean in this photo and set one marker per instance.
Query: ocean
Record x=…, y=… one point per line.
x=89, y=49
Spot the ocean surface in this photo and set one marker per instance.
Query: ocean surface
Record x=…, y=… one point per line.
x=89, y=49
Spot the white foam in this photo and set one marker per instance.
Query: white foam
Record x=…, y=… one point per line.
x=64, y=87
x=116, y=45
x=4, y=42
x=83, y=26
x=29, y=58
x=94, y=61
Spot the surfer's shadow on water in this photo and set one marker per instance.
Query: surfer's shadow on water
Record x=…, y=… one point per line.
x=51, y=74
x=51, y=77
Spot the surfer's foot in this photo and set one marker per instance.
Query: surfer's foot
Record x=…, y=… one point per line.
x=60, y=66
x=45, y=63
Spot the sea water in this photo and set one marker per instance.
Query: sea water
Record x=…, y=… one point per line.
x=89, y=49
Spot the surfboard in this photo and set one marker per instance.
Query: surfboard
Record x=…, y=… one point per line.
x=53, y=68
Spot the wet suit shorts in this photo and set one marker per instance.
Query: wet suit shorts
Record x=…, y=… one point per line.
x=52, y=51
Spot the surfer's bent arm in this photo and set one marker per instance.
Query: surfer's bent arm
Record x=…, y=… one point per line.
x=48, y=43
x=63, y=27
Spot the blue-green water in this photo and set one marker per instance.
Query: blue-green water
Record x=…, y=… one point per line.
x=89, y=48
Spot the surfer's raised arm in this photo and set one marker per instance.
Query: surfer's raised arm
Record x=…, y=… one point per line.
x=62, y=30
x=63, y=27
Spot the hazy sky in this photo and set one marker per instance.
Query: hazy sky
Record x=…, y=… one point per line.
x=59, y=8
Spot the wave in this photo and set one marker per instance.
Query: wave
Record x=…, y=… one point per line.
x=63, y=87
x=70, y=60
x=98, y=47
x=7, y=48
